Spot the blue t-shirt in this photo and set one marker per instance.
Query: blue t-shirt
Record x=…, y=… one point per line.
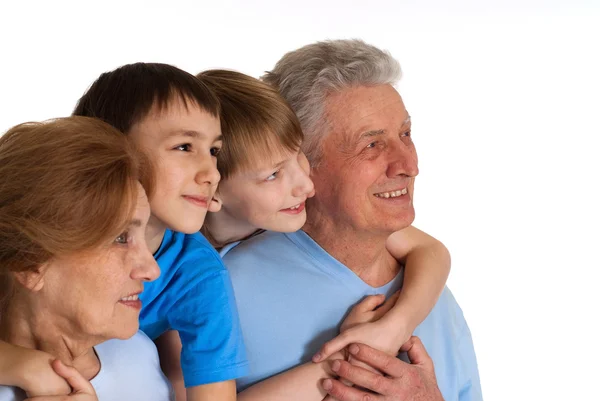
x=292, y=296
x=193, y=295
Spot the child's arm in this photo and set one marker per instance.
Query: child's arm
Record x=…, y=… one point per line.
x=427, y=265
x=214, y=391
x=301, y=383
x=169, y=351
x=82, y=388
x=30, y=370
x=304, y=382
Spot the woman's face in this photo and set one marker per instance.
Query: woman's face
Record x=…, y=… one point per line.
x=95, y=293
x=272, y=195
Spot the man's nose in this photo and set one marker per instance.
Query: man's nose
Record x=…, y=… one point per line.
x=403, y=160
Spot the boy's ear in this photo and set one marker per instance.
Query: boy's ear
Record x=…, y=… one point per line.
x=215, y=203
x=32, y=280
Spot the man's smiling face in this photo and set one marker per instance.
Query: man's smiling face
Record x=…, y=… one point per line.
x=365, y=179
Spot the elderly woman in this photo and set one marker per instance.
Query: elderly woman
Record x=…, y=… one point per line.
x=73, y=259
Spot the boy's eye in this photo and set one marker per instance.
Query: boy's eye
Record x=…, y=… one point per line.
x=123, y=238
x=184, y=147
x=214, y=152
x=272, y=176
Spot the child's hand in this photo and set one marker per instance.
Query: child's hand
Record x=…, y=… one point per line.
x=82, y=389
x=35, y=375
x=365, y=324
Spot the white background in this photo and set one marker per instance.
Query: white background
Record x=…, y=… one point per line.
x=505, y=105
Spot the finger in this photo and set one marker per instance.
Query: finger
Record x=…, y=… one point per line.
x=417, y=354
x=387, y=305
x=332, y=346
x=77, y=382
x=338, y=343
x=362, y=377
x=49, y=398
x=379, y=360
x=342, y=392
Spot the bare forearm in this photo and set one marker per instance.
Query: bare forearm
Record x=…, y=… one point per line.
x=426, y=267
x=9, y=376
x=302, y=383
x=222, y=391
x=426, y=272
x=30, y=370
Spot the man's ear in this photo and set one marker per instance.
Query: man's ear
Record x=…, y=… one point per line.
x=215, y=203
x=33, y=280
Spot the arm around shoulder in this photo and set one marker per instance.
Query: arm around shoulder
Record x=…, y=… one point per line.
x=30, y=370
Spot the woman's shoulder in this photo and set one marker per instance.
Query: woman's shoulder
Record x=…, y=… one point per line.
x=130, y=368
x=139, y=345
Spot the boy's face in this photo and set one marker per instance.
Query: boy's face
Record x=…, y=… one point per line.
x=271, y=195
x=183, y=144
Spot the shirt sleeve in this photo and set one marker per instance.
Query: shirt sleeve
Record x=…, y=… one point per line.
x=468, y=373
x=206, y=317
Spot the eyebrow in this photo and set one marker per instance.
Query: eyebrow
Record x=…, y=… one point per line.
x=269, y=168
x=377, y=132
x=279, y=164
x=192, y=134
x=135, y=223
x=370, y=134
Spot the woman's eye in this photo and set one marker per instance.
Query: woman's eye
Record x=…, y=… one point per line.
x=272, y=176
x=123, y=238
x=214, y=152
x=184, y=147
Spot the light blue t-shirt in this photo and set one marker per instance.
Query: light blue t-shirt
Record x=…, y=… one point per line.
x=129, y=370
x=193, y=295
x=292, y=296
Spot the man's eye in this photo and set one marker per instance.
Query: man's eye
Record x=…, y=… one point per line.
x=214, y=152
x=184, y=147
x=372, y=145
x=406, y=134
x=122, y=238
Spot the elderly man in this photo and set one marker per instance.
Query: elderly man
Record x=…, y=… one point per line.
x=293, y=290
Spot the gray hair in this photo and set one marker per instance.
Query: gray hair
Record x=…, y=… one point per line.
x=305, y=77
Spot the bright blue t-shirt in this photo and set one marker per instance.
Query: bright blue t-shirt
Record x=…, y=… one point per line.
x=292, y=296
x=193, y=295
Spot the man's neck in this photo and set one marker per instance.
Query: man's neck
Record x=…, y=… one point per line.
x=362, y=252
x=224, y=229
x=32, y=326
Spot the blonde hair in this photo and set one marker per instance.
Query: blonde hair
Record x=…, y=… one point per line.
x=255, y=120
x=66, y=185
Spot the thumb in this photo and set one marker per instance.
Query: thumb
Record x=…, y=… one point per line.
x=417, y=354
x=77, y=382
x=389, y=304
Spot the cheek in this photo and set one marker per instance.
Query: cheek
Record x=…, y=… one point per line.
x=172, y=174
x=265, y=203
